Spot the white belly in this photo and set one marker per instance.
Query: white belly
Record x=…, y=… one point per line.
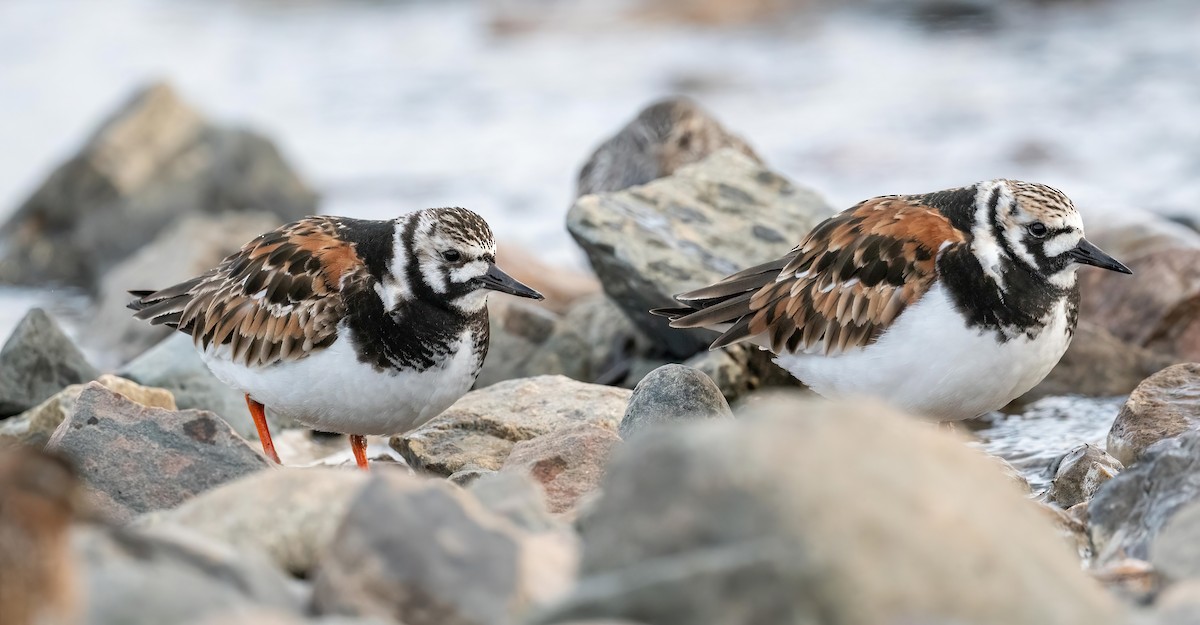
x=931, y=364
x=332, y=391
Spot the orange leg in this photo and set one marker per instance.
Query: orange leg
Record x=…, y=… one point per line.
x=264, y=433
x=358, y=444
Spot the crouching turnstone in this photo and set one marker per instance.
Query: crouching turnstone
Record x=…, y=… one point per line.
x=346, y=325
x=948, y=304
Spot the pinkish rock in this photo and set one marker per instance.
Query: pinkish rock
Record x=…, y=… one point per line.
x=568, y=463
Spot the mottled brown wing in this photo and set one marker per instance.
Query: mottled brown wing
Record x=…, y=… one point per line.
x=278, y=299
x=839, y=289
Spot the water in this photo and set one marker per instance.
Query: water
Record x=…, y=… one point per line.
x=1045, y=430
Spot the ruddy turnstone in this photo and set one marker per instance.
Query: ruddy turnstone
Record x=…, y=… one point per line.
x=948, y=304
x=345, y=325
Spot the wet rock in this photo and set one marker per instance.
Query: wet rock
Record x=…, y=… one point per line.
x=1129, y=510
x=664, y=136
x=1164, y=405
x=672, y=394
x=288, y=514
x=741, y=368
x=135, y=459
x=726, y=521
x=479, y=430
x=155, y=160
x=562, y=286
x=36, y=425
x=37, y=361
x=192, y=245
x=568, y=463
x=1072, y=531
x=1099, y=364
x=1079, y=473
x=1175, y=551
x=38, y=578
x=425, y=552
x=170, y=575
x=679, y=233
x=1151, y=309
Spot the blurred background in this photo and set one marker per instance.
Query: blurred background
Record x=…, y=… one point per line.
x=387, y=107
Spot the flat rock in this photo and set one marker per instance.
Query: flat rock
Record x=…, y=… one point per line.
x=190, y=246
x=135, y=459
x=1098, y=364
x=37, y=361
x=36, y=425
x=1079, y=474
x=169, y=575
x=1175, y=551
x=1164, y=405
x=568, y=463
x=815, y=512
x=1129, y=510
x=666, y=135
x=688, y=230
x=479, y=430
x=672, y=394
x=288, y=514
x=425, y=552
x=153, y=161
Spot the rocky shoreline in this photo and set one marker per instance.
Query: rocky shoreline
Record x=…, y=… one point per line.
x=604, y=469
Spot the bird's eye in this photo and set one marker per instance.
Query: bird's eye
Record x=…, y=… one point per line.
x=452, y=256
x=1038, y=229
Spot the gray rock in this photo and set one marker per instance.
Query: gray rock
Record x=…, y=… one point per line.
x=517, y=497
x=192, y=245
x=425, y=552
x=174, y=365
x=763, y=519
x=135, y=459
x=680, y=233
x=1079, y=474
x=35, y=426
x=664, y=136
x=467, y=476
x=568, y=463
x=153, y=161
x=672, y=394
x=170, y=575
x=519, y=332
x=1178, y=605
x=1129, y=510
x=1175, y=551
x=740, y=368
x=1164, y=405
x=1099, y=364
x=271, y=617
x=37, y=361
x=288, y=514
x=479, y=431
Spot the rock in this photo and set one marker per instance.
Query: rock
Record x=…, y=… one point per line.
x=1179, y=604
x=152, y=162
x=519, y=332
x=568, y=462
x=1125, y=232
x=740, y=368
x=479, y=431
x=680, y=233
x=1079, y=473
x=1099, y=364
x=664, y=137
x=1164, y=405
x=1006, y=468
x=267, y=617
x=35, y=426
x=288, y=514
x=517, y=497
x=561, y=286
x=174, y=365
x=763, y=519
x=1072, y=531
x=135, y=459
x=1129, y=510
x=38, y=578
x=1153, y=310
x=37, y=361
x=425, y=552
x=1130, y=579
x=672, y=394
x=169, y=575
x=192, y=245
x=467, y=476
x=1175, y=551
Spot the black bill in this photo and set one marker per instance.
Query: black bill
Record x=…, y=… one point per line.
x=1089, y=254
x=497, y=280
